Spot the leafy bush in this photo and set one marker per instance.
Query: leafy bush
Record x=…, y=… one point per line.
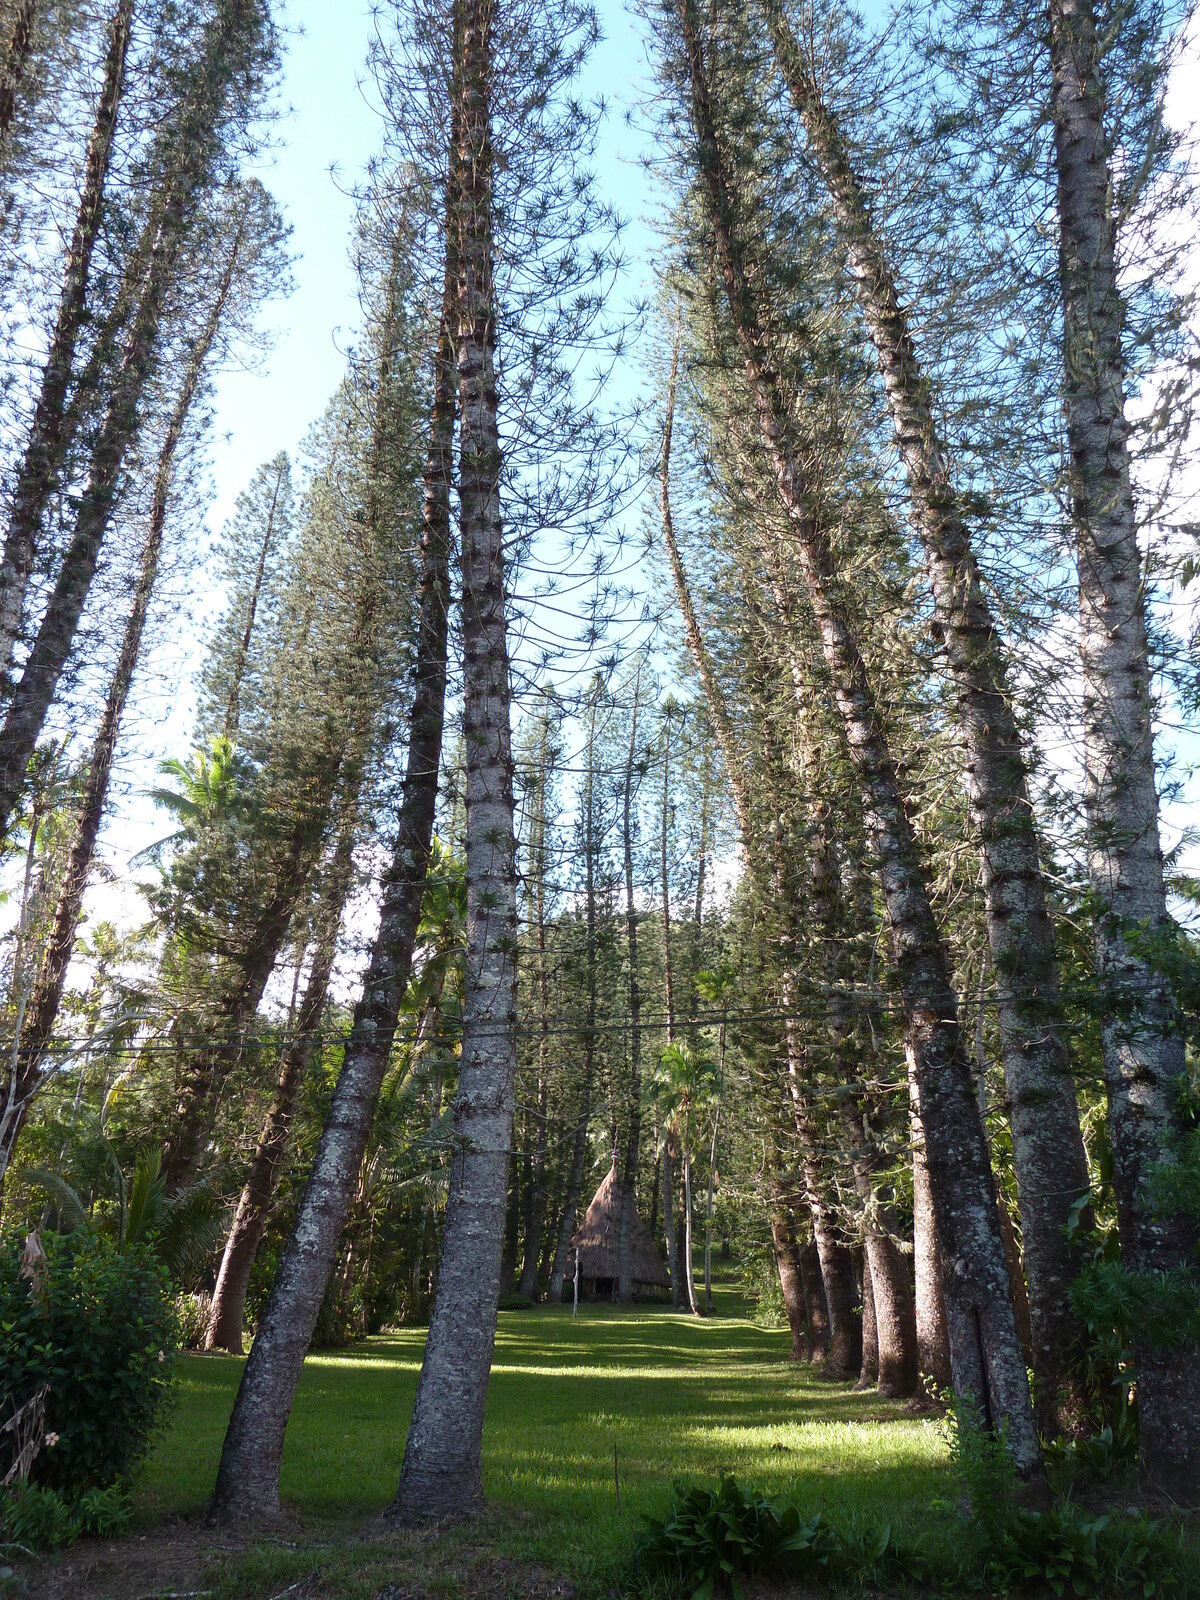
x=105, y=1513
x=39, y=1519
x=1062, y=1548
x=716, y=1537
x=515, y=1302
x=95, y=1324
x=193, y=1312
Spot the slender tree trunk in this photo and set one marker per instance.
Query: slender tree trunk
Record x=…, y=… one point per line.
x=442, y=1474
x=987, y=1357
x=39, y=469
x=933, y=1338
x=174, y=211
x=42, y=1012
x=535, y=1227
x=1142, y=1044
x=689, y=1276
x=254, y=1203
x=791, y=1284
x=868, y=1377
x=1048, y=1151
x=893, y=1313
x=633, y=1141
x=667, y=1168
x=229, y=727
x=248, y=1478
x=814, y=1298
x=17, y=50
x=712, y=1182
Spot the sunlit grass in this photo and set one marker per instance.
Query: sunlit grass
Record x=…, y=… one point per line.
x=578, y=1409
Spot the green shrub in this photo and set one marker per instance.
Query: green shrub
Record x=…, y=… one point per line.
x=515, y=1302
x=97, y=1326
x=105, y=1513
x=37, y=1519
x=714, y=1538
x=193, y=1312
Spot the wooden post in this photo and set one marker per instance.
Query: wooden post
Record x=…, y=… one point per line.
x=575, y=1304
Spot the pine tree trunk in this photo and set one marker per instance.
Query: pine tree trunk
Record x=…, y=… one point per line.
x=17, y=50
x=1048, y=1153
x=791, y=1284
x=42, y=1011
x=1142, y=1045
x=248, y=1477
x=535, y=1226
x=229, y=727
x=254, y=1203
x=442, y=1474
x=987, y=1357
x=933, y=1338
x=814, y=1298
x=39, y=469
x=175, y=209
x=868, y=1377
x=893, y=1311
x=629, y=1169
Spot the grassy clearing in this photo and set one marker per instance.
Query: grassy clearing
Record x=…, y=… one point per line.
x=671, y=1397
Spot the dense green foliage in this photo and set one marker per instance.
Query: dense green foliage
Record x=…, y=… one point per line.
x=95, y=1326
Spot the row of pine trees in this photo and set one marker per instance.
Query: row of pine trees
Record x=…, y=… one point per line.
x=749, y=787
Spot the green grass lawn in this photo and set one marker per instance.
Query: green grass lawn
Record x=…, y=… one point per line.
x=670, y=1396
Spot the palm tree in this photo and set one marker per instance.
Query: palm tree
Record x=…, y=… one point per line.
x=682, y=1087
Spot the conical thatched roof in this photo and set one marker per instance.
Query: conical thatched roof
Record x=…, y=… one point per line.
x=598, y=1239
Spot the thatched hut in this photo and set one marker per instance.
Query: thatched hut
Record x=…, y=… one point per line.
x=597, y=1241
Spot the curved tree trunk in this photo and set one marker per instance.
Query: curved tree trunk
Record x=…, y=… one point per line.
x=189, y=167
x=41, y=1013
x=1048, y=1152
x=254, y=1203
x=248, y=1477
x=987, y=1357
x=44, y=448
x=1142, y=1043
x=442, y=1474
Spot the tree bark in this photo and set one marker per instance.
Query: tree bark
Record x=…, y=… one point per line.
x=42, y=1012
x=16, y=57
x=933, y=1338
x=629, y=1169
x=1142, y=1043
x=442, y=1474
x=814, y=1299
x=190, y=162
x=248, y=1477
x=1048, y=1152
x=40, y=465
x=535, y=1223
x=254, y=1203
x=892, y=1310
x=987, y=1357
x=229, y=727
x=868, y=1377
x=791, y=1284
x=580, y=1141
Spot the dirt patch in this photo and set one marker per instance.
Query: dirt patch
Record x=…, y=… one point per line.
x=187, y=1561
